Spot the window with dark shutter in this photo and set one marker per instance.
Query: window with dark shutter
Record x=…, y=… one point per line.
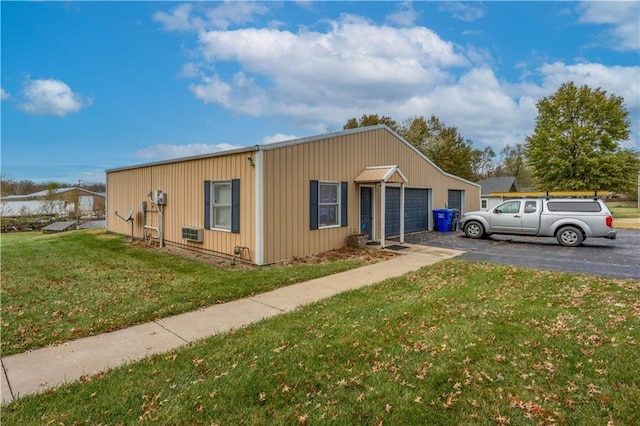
x=207, y=204
x=313, y=204
x=328, y=204
x=222, y=205
x=235, y=206
x=343, y=203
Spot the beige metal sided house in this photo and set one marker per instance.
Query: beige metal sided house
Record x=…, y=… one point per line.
x=269, y=203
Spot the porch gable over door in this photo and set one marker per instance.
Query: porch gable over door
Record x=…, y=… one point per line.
x=382, y=175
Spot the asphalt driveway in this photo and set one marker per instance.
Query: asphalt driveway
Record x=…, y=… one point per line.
x=619, y=258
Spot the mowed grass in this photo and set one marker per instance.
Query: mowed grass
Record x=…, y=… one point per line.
x=455, y=343
x=65, y=286
x=625, y=214
x=624, y=209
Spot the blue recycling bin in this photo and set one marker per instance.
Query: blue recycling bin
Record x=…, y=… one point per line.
x=442, y=219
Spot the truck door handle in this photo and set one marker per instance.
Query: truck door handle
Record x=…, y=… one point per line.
x=517, y=216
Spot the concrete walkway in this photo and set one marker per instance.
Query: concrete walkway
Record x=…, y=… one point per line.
x=41, y=369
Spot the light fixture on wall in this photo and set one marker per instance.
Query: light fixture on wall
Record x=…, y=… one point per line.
x=250, y=160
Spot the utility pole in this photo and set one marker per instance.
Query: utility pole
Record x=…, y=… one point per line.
x=77, y=206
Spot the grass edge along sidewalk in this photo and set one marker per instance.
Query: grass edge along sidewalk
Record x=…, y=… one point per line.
x=61, y=287
x=48, y=367
x=454, y=343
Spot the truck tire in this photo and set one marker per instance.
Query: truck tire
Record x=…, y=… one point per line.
x=473, y=229
x=570, y=236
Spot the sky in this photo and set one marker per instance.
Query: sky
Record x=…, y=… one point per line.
x=91, y=86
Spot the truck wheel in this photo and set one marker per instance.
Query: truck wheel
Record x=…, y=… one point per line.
x=474, y=230
x=570, y=236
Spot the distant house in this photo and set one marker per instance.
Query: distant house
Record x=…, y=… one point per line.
x=56, y=202
x=268, y=203
x=495, y=184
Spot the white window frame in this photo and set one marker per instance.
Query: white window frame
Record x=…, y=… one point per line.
x=484, y=204
x=337, y=204
x=215, y=205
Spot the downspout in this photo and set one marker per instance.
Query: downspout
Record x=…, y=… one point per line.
x=106, y=204
x=259, y=205
x=402, y=212
x=160, y=225
x=383, y=207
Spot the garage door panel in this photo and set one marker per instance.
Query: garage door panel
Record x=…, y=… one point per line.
x=416, y=214
x=455, y=199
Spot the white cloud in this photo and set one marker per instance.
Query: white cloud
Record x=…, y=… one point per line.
x=190, y=70
x=4, y=95
x=278, y=137
x=230, y=13
x=464, y=11
x=354, y=63
x=481, y=108
x=241, y=94
x=622, y=81
x=623, y=18
x=50, y=97
x=319, y=78
x=181, y=17
x=166, y=151
x=405, y=15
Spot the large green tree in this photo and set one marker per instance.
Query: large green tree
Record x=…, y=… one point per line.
x=441, y=144
x=482, y=163
x=576, y=142
x=371, y=120
x=514, y=164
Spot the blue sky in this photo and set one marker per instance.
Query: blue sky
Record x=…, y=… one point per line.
x=89, y=86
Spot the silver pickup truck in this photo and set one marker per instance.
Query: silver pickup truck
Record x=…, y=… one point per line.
x=569, y=220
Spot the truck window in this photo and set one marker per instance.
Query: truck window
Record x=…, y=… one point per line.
x=574, y=206
x=530, y=207
x=509, y=207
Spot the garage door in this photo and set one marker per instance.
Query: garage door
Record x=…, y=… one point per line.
x=416, y=210
x=455, y=199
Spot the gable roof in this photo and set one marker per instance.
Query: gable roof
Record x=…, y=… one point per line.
x=284, y=144
x=498, y=184
x=381, y=173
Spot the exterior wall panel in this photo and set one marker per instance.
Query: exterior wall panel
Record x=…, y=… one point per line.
x=339, y=159
x=125, y=191
x=183, y=182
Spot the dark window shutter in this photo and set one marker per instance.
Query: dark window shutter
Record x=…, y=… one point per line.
x=343, y=203
x=207, y=204
x=235, y=206
x=313, y=204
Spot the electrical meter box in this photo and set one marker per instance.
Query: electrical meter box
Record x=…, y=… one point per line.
x=161, y=198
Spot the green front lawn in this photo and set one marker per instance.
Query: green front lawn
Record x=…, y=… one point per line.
x=455, y=343
x=65, y=286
